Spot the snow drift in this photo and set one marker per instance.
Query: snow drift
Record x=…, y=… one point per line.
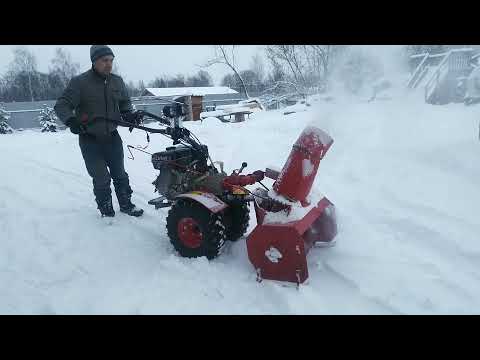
x=403, y=176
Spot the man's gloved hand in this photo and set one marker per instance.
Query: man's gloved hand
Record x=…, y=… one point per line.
x=75, y=126
x=134, y=118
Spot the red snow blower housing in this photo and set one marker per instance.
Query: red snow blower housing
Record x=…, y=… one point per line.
x=209, y=207
x=287, y=224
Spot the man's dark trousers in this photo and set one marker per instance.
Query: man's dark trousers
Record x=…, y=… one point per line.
x=100, y=154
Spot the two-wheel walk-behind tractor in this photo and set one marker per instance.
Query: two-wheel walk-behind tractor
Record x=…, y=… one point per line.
x=209, y=207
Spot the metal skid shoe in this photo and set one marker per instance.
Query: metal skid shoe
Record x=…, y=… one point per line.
x=259, y=275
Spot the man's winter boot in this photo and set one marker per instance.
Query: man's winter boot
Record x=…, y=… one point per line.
x=131, y=210
x=106, y=208
x=127, y=207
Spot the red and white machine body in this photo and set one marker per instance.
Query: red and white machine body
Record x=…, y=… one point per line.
x=279, y=244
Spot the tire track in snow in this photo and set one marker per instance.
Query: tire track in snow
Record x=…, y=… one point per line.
x=421, y=217
x=77, y=177
x=354, y=289
x=415, y=236
x=407, y=206
x=42, y=175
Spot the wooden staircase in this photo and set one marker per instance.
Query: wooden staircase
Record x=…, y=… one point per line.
x=439, y=75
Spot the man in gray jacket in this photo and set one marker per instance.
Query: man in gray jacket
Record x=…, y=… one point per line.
x=88, y=101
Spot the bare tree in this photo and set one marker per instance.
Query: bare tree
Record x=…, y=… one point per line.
x=290, y=56
x=141, y=87
x=63, y=66
x=202, y=78
x=116, y=68
x=326, y=55
x=229, y=80
x=132, y=89
x=307, y=66
x=24, y=62
x=177, y=81
x=258, y=67
x=158, y=82
x=225, y=54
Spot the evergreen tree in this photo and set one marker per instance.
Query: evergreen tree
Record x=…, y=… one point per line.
x=4, y=127
x=48, y=119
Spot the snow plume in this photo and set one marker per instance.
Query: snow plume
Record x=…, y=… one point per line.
x=364, y=69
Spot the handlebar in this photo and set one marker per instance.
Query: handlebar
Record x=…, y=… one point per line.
x=177, y=134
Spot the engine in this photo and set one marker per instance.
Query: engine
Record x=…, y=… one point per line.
x=179, y=167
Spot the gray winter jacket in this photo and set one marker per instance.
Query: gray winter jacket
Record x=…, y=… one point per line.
x=90, y=97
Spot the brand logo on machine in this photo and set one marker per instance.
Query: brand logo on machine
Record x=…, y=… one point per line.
x=273, y=254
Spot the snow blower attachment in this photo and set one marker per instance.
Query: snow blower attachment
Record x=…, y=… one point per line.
x=288, y=225
x=209, y=207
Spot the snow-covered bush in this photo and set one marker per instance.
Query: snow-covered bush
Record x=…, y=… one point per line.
x=4, y=127
x=48, y=119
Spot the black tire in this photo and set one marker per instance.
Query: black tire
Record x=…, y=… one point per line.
x=210, y=225
x=238, y=219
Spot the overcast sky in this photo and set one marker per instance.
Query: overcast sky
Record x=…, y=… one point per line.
x=140, y=62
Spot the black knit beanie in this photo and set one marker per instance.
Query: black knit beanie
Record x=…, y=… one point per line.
x=97, y=51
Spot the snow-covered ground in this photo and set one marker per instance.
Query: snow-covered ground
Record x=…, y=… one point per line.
x=404, y=176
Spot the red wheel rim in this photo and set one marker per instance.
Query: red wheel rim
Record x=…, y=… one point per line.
x=189, y=233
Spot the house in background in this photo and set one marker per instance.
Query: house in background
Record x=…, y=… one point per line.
x=213, y=92
x=25, y=114
x=205, y=98
x=441, y=77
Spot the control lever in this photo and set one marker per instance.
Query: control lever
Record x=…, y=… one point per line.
x=244, y=165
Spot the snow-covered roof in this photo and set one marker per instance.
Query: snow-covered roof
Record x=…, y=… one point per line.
x=418, y=55
x=199, y=91
x=441, y=54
